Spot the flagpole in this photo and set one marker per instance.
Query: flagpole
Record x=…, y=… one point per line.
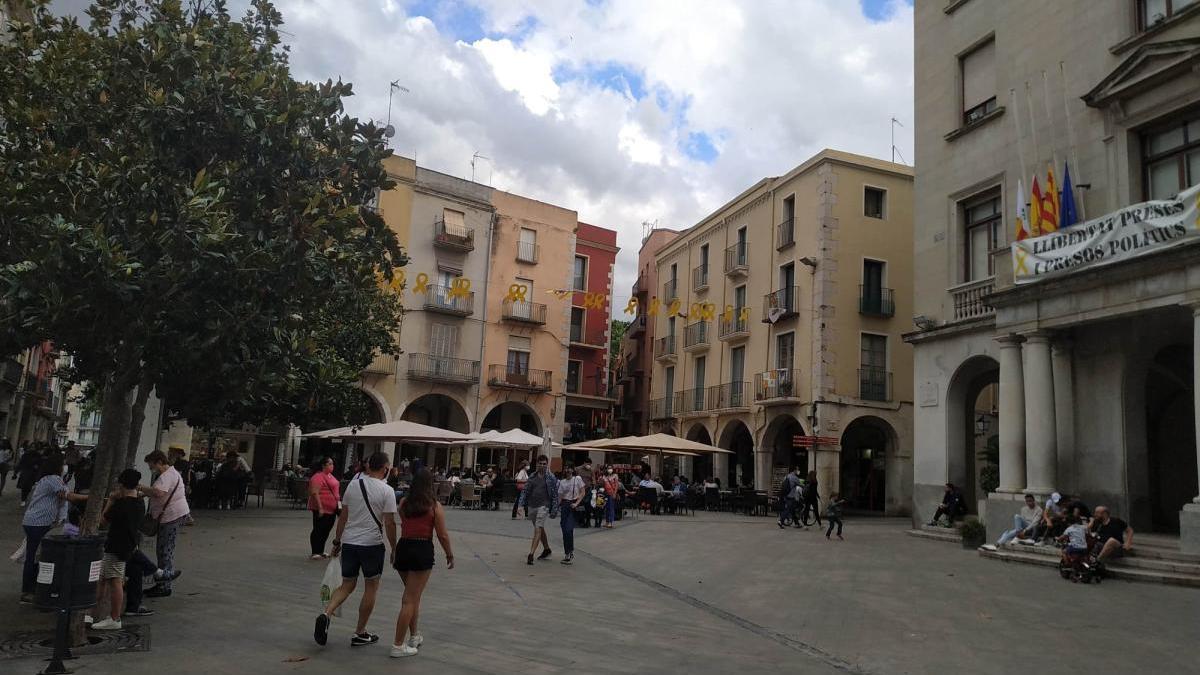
x=1050, y=119
x=1020, y=136
x=1062, y=70
x=1037, y=157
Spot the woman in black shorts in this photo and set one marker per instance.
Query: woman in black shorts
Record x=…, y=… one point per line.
x=420, y=517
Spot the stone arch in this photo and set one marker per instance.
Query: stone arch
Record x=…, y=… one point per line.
x=740, y=467
x=385, y=413
x=871, y=471
x=777, y=442
x=506, y=415
x=969, y=380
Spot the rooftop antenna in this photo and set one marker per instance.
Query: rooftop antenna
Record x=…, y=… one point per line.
x=389, y=130
x=478, y=156
x=894, y=151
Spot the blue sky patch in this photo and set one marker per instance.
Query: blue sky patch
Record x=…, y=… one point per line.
x=455, y=18
x=699, y=146
x=611, y=75
x=878, y=10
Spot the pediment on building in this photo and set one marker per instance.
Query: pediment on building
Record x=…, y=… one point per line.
x=1147, y=67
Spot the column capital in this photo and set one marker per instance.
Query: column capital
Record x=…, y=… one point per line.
x=1038, y=336
x=1010, y=340
x=1193, y=305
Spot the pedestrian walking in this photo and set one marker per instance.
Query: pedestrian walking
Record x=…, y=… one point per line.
x=6, y=461
x=323, y=499
x=571, y=493
x=811, y=497
x=168, y=505
x=367, y=519
x=521, y=479
x=421, y=516
x=787, y=501
x=833, y=513
x=46, y=501
x=123, y=513
x=588, y=476
x=540, y=501
x=612, y=486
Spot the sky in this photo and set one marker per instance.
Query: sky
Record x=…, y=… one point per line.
x=627, y=111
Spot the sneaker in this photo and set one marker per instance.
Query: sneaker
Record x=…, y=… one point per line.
x=317, y=556
x=360, y=639
x=139, y=611
x=161, y=575
x=566, y=559
x=321, y=631
x=158, y=592
x=107, y=624
x=415, y=640
x=840, y=538
x=88, y=620
x=400, y=651
x=780, y=524
x=27, y=598
x=988, y=547
x=529, y=559
x=545, y=554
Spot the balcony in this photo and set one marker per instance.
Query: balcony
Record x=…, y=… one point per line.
x=453, y=237
x=440, y=299
x=695, y=336
x=580, y=338
x=876, y=301
x=524, y=312
x=775, y=386
x=449, y=370
x=729, y=396
x=691, y=401
x=737, y=259
x=700, y=278
x=670, y=290
x=874, y=384
x=665, y=348
x=527, y=379
x=785, y=234
x=736, y=328
x=662, y=408
x=780, y=304
x=382, y=364
x=527, y=252
x=969, y=299
x=637, y=325
x=10, y=371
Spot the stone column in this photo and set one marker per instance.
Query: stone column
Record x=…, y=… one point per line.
x=1189, y=515
x=720, y=469
x=1064, y=412
x=1041, y=435
x=1012, y=415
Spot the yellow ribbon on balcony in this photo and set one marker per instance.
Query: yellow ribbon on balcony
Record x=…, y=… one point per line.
x=632, y=307
x=727, y=315
x=673, y=310
x=593, y=301
x=744, y=315
x=516, y=293
x=459, y=288
x=654, y=305
x=422, y=283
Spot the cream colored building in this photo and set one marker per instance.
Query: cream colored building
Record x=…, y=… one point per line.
x=819, y=259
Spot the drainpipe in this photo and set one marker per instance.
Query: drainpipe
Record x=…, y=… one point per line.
x=484, y=327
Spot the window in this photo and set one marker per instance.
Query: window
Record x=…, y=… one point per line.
x=873, y=375
x=670, y=326
x=580, y=275
x=873, y=202
x=527, y=250
x=785, y=350
x=1154, y=12
x=443, y=339
x=739, y=300
x=1171, y=156
x=454, y=222
x=577, y=322
x=696, y=398
x=737, y=364
x=574, y=369
x=872, y=298
x=981, y=219
x=978, y=71
x=700, y=276
x=518, y=354
x=669, y=395
x=787, y=284
x=787, y=232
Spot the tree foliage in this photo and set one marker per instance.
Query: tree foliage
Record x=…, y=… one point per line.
x=179, y=210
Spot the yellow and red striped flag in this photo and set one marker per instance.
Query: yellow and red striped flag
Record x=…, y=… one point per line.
x=1050, y=204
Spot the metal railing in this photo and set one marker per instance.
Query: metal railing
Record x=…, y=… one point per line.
x=728, y=395
x=456, y=237
x=876, y=301
x=700, y=277
x=382, y=364
x=443, y=299
x=737, y=258
x=968, y=299
x=692, y=400
x=695, y=335
x=665, y=347
x=637, y=325
x=775, y=383
x=874, y=384
x=501, y=375
x=662, y=408
x=735, y=327
x=780, y=304
x=529, y=312
x=527, y=251
x=442, y=369
x=785, y=233
x=670, y=290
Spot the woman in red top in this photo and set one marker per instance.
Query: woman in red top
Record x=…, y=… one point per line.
x=324, y=495
x=612, y=484
x=420, y=517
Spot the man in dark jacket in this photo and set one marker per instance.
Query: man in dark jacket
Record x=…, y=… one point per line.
x=952, y=505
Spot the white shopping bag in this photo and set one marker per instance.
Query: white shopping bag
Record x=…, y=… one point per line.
x=18, y=556
x=330, y=582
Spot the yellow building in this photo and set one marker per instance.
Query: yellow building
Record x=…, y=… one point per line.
x=778, y=332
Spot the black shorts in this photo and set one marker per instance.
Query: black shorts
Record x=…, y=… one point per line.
x=414, y=555
x=368, y=559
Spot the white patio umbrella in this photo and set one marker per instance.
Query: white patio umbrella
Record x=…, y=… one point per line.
x=399, y=431
x=664, y=443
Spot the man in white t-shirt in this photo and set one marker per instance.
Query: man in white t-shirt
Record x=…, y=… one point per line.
x=367, y=521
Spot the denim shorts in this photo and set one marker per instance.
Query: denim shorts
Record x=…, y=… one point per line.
x=368, y=559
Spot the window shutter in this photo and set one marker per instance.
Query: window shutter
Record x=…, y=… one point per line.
x=979, y=75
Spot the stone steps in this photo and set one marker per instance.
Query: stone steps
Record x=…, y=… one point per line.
x=947, y=534
x=1148, y=560
x=1152, y=571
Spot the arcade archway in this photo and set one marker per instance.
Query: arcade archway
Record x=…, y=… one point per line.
x=868, y=444
x=737, y=439
x=435, y=410
x=972, y=428
x=505, y=416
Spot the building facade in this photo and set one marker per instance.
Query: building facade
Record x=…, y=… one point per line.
x=778, y=322
x=590, y=400
x=32, y=396
x=1093, y=369
x=634, y=369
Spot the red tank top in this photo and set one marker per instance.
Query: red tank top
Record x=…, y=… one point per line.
x=417, y=527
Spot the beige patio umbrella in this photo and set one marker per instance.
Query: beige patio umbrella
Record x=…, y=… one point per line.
x=664, y=443
x=399, y=431
x=328, y=433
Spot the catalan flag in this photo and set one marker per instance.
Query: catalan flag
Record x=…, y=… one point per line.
x=1035, y=210
x=1022, y=214
x=1050, y=204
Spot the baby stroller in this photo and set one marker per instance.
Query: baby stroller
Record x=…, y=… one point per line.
x=1080, y=565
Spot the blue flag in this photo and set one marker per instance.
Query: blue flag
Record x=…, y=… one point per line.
x=1068, y=216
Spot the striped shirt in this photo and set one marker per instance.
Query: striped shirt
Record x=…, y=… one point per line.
x=45, y=502
x=570, y=489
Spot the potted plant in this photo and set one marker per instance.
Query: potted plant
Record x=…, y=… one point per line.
x=973, y=533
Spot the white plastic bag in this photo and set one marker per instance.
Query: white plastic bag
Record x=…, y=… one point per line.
x=330, y=582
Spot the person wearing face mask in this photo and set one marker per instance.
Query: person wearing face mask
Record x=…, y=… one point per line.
x=570, y=494
x=612, y=485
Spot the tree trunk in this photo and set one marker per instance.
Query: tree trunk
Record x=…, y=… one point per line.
x=137, y=417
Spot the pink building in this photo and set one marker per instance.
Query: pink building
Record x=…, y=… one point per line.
x=589, y=401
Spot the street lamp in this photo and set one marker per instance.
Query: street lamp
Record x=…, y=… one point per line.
x=982, y=424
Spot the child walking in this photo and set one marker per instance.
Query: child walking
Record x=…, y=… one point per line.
x=833, y=513
x=123, y=514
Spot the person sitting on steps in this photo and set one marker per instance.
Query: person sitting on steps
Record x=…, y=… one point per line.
x=952, y=506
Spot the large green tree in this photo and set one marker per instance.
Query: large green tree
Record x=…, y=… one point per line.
x=180, y=213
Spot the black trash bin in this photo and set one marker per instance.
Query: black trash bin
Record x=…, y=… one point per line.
x=68, y=570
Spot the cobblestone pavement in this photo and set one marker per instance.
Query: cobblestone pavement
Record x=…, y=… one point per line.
x=711, y=593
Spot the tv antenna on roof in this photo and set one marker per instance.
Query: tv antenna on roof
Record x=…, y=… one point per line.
x=389, y=130
x=478, y=156
x=894, y=151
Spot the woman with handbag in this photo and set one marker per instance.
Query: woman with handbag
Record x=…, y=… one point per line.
x=323, y=499
x=168, y=512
